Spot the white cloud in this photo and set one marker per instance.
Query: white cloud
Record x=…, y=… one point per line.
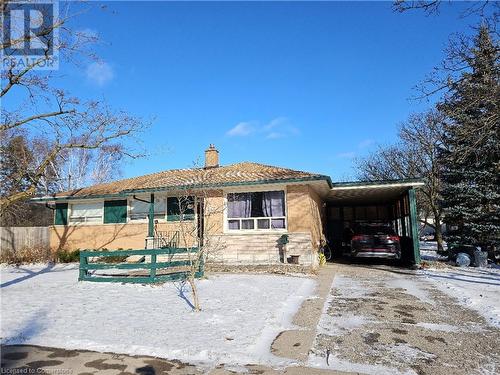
x=279, y=127
x=366, y=143
x=274, y=135
x=346, y=155
x=100, y=73
x=275, y=123
x=242, y=129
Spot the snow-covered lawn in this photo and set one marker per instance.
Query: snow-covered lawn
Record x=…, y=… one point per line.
x=475, y=288
x=428, y=251
x=241, y=314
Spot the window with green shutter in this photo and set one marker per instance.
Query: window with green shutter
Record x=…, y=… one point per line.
x=61, y=214
x=115, y=211
x=180, y=206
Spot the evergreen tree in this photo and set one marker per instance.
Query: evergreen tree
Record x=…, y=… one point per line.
x=471, y=151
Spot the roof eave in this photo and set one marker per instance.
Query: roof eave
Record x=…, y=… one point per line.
x=128, y=192
x=409, y=182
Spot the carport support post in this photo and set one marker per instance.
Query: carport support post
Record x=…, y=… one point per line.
x=402, y=217
x=151, y=217
x=412, y=200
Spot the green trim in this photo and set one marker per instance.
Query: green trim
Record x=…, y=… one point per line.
x=129, y=192
x=132, y=266
x=61, y=214
x=67, y=198
x=188, y=217
x=167, y=251
x=151, y=216
x=143, y=280
x=378, y=182
x=412, y=200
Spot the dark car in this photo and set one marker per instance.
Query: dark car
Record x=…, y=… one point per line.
x=375, y=241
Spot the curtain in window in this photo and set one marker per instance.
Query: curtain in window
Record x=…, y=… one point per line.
x=273, y=203
x=238, y=205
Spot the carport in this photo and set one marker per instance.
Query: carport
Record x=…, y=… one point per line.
x=390, y=202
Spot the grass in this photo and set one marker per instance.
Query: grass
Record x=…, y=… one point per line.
x=27, y=255
x=44, y=254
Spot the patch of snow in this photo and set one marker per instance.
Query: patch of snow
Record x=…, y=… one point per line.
x=339, y=325
x=344, y=287
x=281, y=321
x=46, y=305
x=408, y=354
x=443, y=327
x=475, y=288
x=412, y=286
x=432, y=256
x=347, y=287
x=335, y=363
x=430, y=245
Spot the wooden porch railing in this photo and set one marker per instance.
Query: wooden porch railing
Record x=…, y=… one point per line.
x=148, y=272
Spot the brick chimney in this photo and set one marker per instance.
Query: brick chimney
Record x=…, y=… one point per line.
x=211, y=157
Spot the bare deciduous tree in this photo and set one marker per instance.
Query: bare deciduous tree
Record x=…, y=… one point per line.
x=431, y=7
x=201, y=235
x=55, y=123
x=414, y=156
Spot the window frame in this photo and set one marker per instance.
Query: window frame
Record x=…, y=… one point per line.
x=255, y=230
x=185, y=217
x=161, y=218
x=85, y=222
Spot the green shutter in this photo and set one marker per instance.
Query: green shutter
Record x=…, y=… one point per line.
x=61, y=215
x=174, y=211
x=115, y=211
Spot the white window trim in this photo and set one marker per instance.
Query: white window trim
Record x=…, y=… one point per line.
x=70, y=212
x=254, y=189
x=141, y=221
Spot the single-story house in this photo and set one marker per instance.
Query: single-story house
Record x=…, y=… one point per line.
x=255, y=213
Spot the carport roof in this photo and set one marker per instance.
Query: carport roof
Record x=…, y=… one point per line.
x=370, y=192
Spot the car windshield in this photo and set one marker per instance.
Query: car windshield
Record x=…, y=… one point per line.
x=375, y=229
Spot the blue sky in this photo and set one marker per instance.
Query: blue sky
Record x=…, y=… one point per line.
x=308, y=86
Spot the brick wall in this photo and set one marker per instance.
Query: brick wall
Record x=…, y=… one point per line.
x=260, y=248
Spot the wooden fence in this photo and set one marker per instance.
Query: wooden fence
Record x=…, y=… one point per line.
x=18, y=238
x=147, y=272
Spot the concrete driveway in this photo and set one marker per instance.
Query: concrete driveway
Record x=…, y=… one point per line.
x=384, y=320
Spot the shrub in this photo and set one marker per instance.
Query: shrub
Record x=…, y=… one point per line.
x=112, y=258
x=66, y=256
x=39, y=254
